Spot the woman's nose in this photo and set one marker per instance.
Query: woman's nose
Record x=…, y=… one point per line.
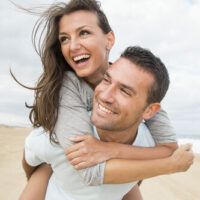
x=75, y=44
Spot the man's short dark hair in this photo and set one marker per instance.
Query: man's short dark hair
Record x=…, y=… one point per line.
x=147, y=61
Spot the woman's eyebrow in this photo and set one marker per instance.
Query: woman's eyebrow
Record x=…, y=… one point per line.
x=77, y=29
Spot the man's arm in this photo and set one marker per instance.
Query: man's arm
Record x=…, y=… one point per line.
x=37, y=172
x=133, y=194
x=33, y=154
x=28, y=169
x=37, y=184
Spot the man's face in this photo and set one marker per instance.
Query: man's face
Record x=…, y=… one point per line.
x=120, y=99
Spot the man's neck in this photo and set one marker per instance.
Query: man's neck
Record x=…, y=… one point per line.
x=126, y=136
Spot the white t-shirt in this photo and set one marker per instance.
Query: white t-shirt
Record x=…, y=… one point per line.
x=65, y=183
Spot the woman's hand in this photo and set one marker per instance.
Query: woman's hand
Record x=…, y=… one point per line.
x=88, y=151
x=182, y=158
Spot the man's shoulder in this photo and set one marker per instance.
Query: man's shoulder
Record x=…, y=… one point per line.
x=39, y=138
x=144, y=137
x=38, y=141
x=35, y=136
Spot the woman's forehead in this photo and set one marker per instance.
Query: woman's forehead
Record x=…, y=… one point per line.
x=77, y=19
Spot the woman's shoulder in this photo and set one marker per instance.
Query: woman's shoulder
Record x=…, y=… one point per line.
x=75, y=87
x=70, y=78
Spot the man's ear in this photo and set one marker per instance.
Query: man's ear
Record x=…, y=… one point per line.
x=110, y=40
x=151, y=110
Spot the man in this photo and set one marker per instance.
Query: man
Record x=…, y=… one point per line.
x=130, y=92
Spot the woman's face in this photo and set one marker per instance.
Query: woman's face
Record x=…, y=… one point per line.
x=83, y=43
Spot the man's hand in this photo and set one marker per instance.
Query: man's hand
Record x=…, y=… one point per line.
x=182, y=158
x=87, y=152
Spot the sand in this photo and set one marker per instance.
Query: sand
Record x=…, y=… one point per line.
x=180, y=186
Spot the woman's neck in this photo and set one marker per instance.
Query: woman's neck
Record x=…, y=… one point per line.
x=94, y=79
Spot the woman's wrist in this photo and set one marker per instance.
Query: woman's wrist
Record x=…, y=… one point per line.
x=113, y=150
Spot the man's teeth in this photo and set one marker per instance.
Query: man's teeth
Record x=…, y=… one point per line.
x=80, y=57
x=105, y=109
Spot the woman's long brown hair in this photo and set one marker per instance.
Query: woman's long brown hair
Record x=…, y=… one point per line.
x=44, y=111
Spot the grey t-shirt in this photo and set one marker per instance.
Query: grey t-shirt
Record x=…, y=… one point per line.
x=76, y=99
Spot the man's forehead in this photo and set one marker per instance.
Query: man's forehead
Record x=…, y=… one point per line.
x=120, y=72
x=126, y=72
x=120, y=67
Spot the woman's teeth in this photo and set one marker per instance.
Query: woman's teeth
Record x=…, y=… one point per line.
x=78, y=58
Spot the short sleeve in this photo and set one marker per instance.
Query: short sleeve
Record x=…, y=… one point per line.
x=34, y=154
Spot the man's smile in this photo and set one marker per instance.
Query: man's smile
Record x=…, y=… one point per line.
x=106, y=110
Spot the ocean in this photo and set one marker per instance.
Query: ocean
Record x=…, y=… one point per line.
x=194, y=140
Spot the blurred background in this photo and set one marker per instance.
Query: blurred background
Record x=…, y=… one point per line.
x=170, y=29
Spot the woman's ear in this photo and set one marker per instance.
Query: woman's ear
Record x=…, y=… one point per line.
x=110, y=40
x=151, y=110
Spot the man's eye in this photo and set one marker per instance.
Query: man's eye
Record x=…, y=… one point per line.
x=125, y=92
x=105, y=79
x=84, y=32
x=63, y=39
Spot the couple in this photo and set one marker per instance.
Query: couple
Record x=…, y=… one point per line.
x=129, y=91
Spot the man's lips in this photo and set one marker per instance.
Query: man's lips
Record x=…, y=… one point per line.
x=106, y=109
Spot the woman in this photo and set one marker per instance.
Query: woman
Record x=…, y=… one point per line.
x=79, y=39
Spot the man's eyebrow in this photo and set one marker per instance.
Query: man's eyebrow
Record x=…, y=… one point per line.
x=107, y=74
x=122, y=84
x=78, y=29
x=129, y=88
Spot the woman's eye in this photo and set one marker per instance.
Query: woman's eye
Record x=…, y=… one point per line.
x=84, y=32
x=63, y=39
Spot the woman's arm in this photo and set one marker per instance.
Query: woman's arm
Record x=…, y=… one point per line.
x=89, y=151
x=73, y=119
x=132, y=170
x=161, y=129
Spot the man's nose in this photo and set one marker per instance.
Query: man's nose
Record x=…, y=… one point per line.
x=108, y=94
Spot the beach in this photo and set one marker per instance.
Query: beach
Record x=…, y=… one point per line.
x=180, y=186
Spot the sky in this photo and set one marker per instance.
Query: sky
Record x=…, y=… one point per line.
x=170, y=29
